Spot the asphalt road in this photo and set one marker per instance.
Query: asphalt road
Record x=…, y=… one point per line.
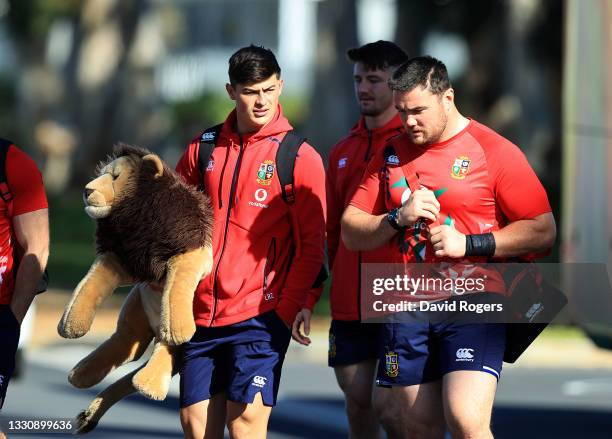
x=531, y=403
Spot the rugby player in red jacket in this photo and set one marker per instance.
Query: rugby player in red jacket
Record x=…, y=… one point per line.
x=24, y=226
x=486, y=202
x=266, y=256
x=353, y=345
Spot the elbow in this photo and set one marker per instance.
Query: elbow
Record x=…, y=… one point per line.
x=349, y=238
x=38, y=253
x=550, y=236
x=547, y=233
x=349, y=243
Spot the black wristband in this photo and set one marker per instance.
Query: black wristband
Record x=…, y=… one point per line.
x=480, y=245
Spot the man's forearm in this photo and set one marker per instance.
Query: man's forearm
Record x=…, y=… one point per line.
x=525, y=236
x=362, y=231
x=29, y=274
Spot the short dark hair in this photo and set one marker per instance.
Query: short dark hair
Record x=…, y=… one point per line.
x=378, y=56
x=424, y=71
x=252, y=64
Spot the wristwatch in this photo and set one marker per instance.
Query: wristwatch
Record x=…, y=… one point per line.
x=393, y=219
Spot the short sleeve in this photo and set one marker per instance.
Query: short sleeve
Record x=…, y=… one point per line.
x=25, y=182
x=517, y=189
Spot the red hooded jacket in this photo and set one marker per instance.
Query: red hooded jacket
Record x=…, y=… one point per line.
x=348, y=160
x=266, y=253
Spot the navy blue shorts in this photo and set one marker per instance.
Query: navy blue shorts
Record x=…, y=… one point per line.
x=351, y=342
x=9, y=339
x=416, y=353
x=240, y=359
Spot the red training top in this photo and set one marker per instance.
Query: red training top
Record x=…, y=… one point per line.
x=348, y=160
x=26, y=187
x=481, y=180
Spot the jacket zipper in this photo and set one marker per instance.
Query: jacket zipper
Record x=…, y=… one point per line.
x=227, y=218
x=367, y=156
x=268, y=265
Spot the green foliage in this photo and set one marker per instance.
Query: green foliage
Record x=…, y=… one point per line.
x=294, y=108
x=32, y=19
x=192, y=116
x=72, y=240
x=322, y=308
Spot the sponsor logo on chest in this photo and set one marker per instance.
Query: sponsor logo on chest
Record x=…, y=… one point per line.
x=260, y=196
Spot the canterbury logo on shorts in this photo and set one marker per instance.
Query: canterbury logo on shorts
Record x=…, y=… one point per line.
x=259, y=381
x=464, y=354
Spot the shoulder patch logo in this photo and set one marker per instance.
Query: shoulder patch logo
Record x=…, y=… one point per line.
x=342, y=163
x=265, y=173
x=460, y=168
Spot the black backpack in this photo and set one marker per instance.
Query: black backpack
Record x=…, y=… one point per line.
x=7, y=197
x=285, y=162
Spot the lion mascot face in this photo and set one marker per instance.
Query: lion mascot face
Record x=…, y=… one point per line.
x=113, y=180
x=153, y=230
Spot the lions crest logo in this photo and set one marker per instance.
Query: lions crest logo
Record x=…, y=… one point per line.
x=331, y=353
x=265, y=173
x=460, y=168
x=391, y=364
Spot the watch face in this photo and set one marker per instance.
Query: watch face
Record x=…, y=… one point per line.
x=392, y=218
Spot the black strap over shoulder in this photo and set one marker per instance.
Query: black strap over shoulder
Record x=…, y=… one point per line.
x=5, y=192
x=285, y=163
x=208, y=141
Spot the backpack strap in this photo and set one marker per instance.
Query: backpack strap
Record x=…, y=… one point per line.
x=5, y=192
x=208, y=141
x=285, y=162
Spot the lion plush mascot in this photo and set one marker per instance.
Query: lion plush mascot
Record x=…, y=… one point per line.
x=155, y=231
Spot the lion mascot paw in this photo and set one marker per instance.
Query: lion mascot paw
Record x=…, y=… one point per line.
x=152, y=230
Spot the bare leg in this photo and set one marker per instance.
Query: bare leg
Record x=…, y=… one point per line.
x=356, y=382
x=468, y=403
x=248, y=421
x=413, y=412
x=205, y=419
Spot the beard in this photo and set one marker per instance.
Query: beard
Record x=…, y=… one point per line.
x=430, y=136
x=374, y=107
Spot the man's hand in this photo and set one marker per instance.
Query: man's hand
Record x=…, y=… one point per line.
x=420, y=204
x=447, y=242
x=302, y=317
